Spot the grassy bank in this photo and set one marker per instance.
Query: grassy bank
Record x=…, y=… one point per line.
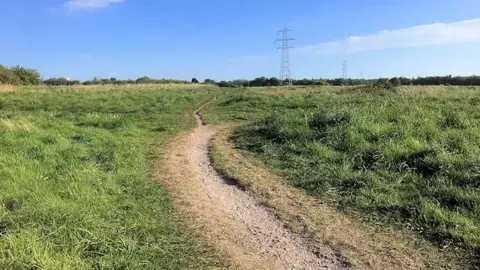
x=76, y=190
x=407, y=156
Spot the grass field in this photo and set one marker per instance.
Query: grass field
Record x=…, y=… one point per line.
x=76, y=188
x=407, y=156
x=76, y=165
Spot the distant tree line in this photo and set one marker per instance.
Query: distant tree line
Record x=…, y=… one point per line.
x=103, y=81
x=18, y=75
x=395, y=81
x=141, y=80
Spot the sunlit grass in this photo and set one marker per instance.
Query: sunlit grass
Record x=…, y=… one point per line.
x=406, y=156
x=76, y=188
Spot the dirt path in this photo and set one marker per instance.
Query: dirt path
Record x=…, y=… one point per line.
x=230, y=219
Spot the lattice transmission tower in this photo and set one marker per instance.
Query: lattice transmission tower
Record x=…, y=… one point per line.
x=285, y=71
x=345, y=69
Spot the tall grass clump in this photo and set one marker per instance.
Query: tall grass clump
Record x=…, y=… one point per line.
x=407, y=155
x=76, y=189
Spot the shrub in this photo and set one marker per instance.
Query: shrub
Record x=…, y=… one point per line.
x=209, y=81
x=225, y=84
x=27, y=76
x=7, y=76
x=60, y=81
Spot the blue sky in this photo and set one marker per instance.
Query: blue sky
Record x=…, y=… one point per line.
x=229, y=39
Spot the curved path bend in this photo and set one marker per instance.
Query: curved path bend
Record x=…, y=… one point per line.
x=243, y=230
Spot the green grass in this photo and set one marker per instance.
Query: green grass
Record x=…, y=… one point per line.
x=76, y=165
x=409, y=156
x=76, y=188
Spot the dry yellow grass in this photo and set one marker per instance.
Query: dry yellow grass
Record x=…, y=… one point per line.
x=437, y=91
x=15, y=125
x=365, y=246
x=7, y=88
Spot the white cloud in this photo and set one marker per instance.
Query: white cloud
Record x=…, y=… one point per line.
x=422, y=35
x=73, y=5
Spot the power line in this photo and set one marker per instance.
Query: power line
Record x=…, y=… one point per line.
x=344, y=69
x=285, y=71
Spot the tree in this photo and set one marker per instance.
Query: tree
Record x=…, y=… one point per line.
x=7, y=76
x=56, y=81
x=337, y=81
x=144, y=79
x=61, y=81
x=209, y=81
x=225, y=84
x=320, y=82
x=95, y=80
x=262, y=81
x=274, y=81
x=395, y=81
x=27, y=76
x=383, y=83
x=194, y=80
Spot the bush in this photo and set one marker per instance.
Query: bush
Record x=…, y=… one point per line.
x=144, y=79
x=27, y=76
x=7, y=76
x=60, y=81
x=274, y=82
x=209, y=81
x=225, y=84
x=19, y=75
